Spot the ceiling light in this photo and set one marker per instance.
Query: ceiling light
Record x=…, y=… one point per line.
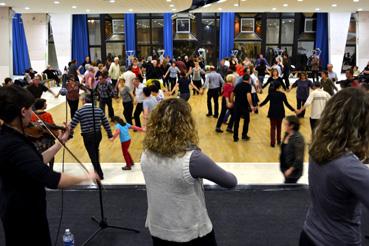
x=169, y=1
x=87, y=10
x=172, y=5
x=356, y=1
x=74, y=7
x=317, y=9
x=130, y=10
x=2, y=4
x=285, y=5
x=334, y=5
x=274, y=9
x=27, y=8
x=220, y=9
x=243, y=0
x=111, y=1
x=300, y=0
x=174, y=9
x=56, y=2
x=236, y=4
x=360, y=10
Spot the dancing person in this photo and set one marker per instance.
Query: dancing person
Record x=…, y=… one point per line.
x=52, y=74
x=72, y=94
x=89, y=77
x=303, y=85
x=261, y=69
x=241, y=96
x=183, y=84
x=156, y=92
x=128, y=77
x=100, y=70
x=148, y=105
x=197, y=74
x=227, y=104
x=315, y=63
x=138, y=93
x=327, y=83
x=214, y=83
x=331, y=74
x=173, y=72
x=318, y=98
x=91, y=118
x=23, y=173
x=255, y=87
x=105, y=92
x=338, y=180
x=286, y=70
x=177, y=213
x=114, y=71
x=348, y=82
x=127, y=100
x=292, y=151
x=37, y=89
x=8, y=81
x=73, y=70
x=274, y=79
x=276, y=113
x=122, y=130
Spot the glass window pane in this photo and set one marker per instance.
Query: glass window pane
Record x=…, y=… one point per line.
x=304, y=50
x=143, y=31
x=208, y=26
x=143, y=51
x=288, y=49
x=157, y=31
x=248, y=49
x=271, y=51
x=115, y=49
x=94, y=32
x=272, y=31
x=95, y=53
x=288, y=29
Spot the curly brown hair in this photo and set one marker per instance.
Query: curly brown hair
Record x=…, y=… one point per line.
x=343, y=127
x=171, y=129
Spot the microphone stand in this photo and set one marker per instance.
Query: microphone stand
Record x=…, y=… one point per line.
x=103, y=222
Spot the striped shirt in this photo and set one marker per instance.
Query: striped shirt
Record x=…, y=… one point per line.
x=213, y=80
x=85, y=117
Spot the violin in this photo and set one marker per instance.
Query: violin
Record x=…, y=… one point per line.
x=35, y=132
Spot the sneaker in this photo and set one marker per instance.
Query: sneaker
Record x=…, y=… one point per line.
x=235, y=140
x=126, y=168
x=219, y=130
x=229, y=130
x=272, y=145
x=215, y=116
x=208, y=115
x=247, y=138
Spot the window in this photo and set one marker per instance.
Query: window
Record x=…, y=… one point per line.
x=115, y=49
x=287, y=31
x=94, y=33
x=118, y=26
x=247, y=25
x=208, y=27
x=183, y=26
x=143, y=31
x=157, y=31
x=272, y=36
x=310, y=25
x=95, y=53
x=248, y=49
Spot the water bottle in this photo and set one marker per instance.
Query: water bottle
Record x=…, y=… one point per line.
x=68, y=238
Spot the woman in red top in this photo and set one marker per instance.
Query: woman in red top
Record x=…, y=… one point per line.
x=136, y=69
x=227, y=103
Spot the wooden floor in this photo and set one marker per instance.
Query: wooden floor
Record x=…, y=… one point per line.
x=220, y=147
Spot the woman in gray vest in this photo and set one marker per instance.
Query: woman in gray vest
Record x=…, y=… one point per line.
x=338, y=179
x=173, y=167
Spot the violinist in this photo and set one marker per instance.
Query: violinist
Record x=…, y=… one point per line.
x=23, y=173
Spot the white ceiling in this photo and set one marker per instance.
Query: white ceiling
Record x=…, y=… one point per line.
x=97, y=6
x=280, y=6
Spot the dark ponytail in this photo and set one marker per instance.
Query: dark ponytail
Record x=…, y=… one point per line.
x=119, y=120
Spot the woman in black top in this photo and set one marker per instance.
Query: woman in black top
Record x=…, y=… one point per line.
x=276, y=111
x=274, y=79
x=292, y=151
x=23, y=173
x=183, y=85
x=261, y=68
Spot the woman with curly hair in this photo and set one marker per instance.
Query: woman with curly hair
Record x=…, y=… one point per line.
x=337, y=177
x=173, y=168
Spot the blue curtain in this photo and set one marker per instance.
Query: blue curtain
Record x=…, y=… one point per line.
x=79, y=38
x=130, y=32
x=168, y=35
x=226, y=35
x=21, y=60
x=321, y=40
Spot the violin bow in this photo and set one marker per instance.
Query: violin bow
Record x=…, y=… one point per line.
x=62, y=144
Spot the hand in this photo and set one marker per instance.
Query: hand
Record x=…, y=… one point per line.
x=297, y=112
x=56, y=96
x=288, y=172
x=64, y=136
x=111, y=139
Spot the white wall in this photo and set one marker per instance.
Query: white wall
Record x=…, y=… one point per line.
x=35, y=27
x=362, y=43
x=62, y=31
x=6, y=60
x=338, y=24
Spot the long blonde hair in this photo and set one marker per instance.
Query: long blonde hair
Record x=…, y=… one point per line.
x=171, y=128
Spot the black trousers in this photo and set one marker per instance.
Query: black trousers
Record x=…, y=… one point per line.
x=73, y=105
x=128, y=110
x=207, y=240
x=222, y=115
x=197, y=83
x=213, y=94
x=305, y=240
x=109, y=103
x=315, y=76
x=313, y=124
x=291, y=180
x=300, y=103
x=171, y=83
x=92, y=147
x=185, y=96
x=286, y=80
x=237, y=117
x=137, y=113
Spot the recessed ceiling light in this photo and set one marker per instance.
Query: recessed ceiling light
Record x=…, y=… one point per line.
x=111, y=1
x=274, y=9
x=220, y=9
x=334, y=5
x=130, y=10
x=236, y=4
x=172, y=5
x=56, y=2
x=360, y=10
x=243, y=0
x=169, y=1
x=87, y=10
x=74, y=7
x=174, y=9
x=285, y=5
x=300, y=0
x=317, y=9
x=27, y=8
x=355, y=1
x=2, y=4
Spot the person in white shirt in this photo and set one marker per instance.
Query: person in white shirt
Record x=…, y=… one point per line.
x=318, y=98
x=254, y=87
x=114, y=71
x=128, y=77
x=138, y=93
x=332, y=75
